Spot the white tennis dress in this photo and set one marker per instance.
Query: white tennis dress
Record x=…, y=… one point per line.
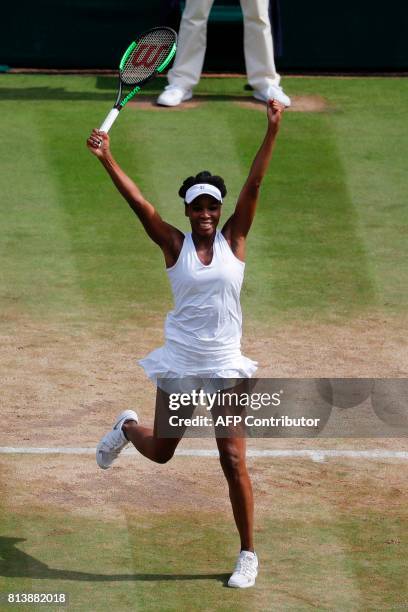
x=203, y=331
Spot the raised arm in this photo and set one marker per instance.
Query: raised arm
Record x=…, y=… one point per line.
x=169, y=238
x=238, y=225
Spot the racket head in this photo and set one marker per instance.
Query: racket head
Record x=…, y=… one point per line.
x=147, y=56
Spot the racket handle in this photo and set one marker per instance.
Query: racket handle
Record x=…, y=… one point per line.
x=110, y=118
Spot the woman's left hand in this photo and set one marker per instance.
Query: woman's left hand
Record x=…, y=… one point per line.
x=274, y=112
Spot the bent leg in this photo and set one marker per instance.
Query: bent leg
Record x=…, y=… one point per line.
x=146, y=440
x=233, y=462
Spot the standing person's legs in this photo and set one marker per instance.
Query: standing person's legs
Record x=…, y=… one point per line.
x=258, y=45
x=188, y=64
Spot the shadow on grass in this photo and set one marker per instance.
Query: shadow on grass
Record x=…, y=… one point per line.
x=15, y=563
x=51, y=93
x=60, y=93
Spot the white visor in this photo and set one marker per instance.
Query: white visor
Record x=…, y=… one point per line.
x=202, y=189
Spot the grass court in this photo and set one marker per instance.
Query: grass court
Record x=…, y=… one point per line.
x=84, y=294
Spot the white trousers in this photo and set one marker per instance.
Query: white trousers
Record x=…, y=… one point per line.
x=258, y=45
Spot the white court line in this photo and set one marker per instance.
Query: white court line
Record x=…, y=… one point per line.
x=314, y=454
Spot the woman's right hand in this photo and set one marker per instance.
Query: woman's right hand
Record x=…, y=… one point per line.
x=98, y=143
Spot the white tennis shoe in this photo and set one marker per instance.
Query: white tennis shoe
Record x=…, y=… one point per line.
x=114, y=441
x=245, y=572
x=273, y=92
x=173, y=95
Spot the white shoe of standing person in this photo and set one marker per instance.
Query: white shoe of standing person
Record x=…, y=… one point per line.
x=173, y=95
x=114, y=441
x=273, y=92
x=245, y=572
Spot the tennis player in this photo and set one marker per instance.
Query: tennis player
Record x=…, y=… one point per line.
x=203, y=332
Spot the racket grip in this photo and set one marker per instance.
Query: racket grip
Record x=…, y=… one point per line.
x=110, y=118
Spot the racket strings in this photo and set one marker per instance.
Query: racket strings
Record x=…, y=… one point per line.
x=150, y=52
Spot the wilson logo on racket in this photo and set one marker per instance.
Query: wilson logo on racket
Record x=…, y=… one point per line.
x=148, y=55
x=144, y=59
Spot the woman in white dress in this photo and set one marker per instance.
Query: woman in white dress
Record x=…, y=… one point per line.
x=203, y=331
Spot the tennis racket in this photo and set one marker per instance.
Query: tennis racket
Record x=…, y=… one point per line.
x=142, y=61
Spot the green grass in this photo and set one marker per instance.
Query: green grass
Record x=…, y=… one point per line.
x=328, y=240
x=181, y=562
